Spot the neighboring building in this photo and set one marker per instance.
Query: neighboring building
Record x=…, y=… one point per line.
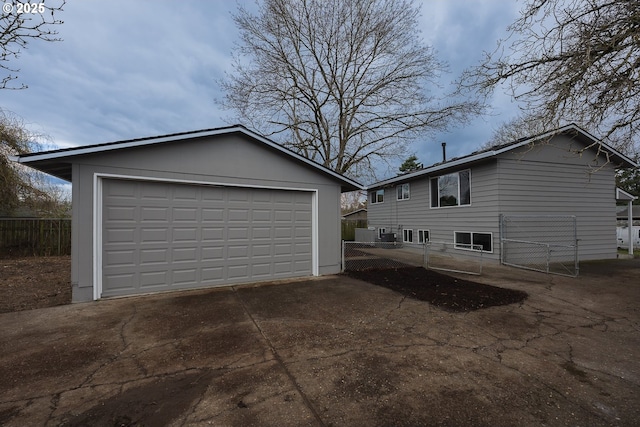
x=357, y=215
x=565, y=172
x=195, y=209
x=623, y=215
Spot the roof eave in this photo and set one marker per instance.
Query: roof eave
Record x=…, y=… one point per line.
x=35, y=159
x=623, y=161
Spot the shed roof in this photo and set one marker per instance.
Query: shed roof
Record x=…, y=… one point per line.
x=572, y=129
x=58, y=162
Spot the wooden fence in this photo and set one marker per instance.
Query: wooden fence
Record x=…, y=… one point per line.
x=34, y=237
x=349, y=228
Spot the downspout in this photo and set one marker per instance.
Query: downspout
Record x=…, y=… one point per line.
x=630, y=225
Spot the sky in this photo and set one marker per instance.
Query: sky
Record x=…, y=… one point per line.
x=130, y=69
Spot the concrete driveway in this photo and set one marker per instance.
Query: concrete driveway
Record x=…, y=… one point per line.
x=332, y=352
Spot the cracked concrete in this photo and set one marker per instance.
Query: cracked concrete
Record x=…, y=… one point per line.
x=331, y=352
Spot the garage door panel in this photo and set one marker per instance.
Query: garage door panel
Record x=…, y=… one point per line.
x=161, y=236
x=282, y=232
x=121, y=235
x=210, y=253
x=153, y=256
x=185, y=234
x=121, y=258
x=115, y=282
x=154, y=235
x=238, y=251
x=186, y=275
x=189, y=214
x=237, y=233
x=154, y=214
x=153, y=279
x=212, y=214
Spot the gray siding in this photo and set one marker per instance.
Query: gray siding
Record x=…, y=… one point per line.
x=227, y=159
x=416, y=213
x=555, y=178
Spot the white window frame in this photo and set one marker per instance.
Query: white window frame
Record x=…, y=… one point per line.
x=374, y=196
x=421, y=233
x=471, y=234
x=381, y=231
x=401, y=194
x=407, y=235
x=436, y=179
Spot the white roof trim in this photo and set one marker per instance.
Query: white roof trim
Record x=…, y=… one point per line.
x=60, y=154
x=623, y=195
x=487, y=154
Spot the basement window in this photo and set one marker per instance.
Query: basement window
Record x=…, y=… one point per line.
x=473, y=241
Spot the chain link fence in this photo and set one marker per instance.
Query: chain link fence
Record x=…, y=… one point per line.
x=454, y=257
x=446, y=256
x=544, y=243
x=379, y=255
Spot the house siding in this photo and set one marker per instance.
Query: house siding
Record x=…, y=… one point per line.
x=544, y=184
x=556, y=177
x=417, y=213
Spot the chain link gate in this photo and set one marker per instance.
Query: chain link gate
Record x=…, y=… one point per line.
x=547, y=243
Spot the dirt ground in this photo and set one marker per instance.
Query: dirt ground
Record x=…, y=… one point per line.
x=35, y=282
x=333, y=351
x=39, y=282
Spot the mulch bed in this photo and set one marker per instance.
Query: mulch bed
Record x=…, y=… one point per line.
x=440, y=290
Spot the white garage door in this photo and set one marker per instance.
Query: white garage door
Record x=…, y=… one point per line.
x=161, y=236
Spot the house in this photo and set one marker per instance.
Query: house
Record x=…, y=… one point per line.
x=357, y=215
x=195, y=209
x=464, y=201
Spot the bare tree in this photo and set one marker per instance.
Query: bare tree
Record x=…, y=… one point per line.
x=20, y=186
x=522, y=126
x=20, y=23
x=342, y=82
x=572, y=61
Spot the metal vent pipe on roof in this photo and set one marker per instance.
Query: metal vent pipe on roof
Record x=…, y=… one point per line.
x=444, y=151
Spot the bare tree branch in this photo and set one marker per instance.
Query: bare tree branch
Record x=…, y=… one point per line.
x=572, y=61
x=343, y=82
x=25, y=22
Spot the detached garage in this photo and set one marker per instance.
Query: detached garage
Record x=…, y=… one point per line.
x=196, y=209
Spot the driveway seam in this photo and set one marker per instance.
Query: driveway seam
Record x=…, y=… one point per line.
x=277, y=357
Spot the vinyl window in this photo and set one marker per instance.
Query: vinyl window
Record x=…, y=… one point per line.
x=453, y=189
x=407, y=236
x=471, y=240
x=403, y=192
x=377, y=197
x=423, y=236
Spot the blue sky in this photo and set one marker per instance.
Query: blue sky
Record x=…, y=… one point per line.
x=133, y=69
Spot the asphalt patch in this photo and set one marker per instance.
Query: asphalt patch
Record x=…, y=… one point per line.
x=446, y=292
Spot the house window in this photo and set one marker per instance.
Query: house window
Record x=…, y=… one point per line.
x=423, y=236
x=472, y=241
x=381, y=231
x=453, y=189
x=407, y=236
x=377, y=196
x=403, y=191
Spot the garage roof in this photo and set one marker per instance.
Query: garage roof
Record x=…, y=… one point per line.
x=58, y=162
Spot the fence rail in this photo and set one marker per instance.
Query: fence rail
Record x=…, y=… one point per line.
x=34, y=237
x=454, y=257
x=546, y=243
